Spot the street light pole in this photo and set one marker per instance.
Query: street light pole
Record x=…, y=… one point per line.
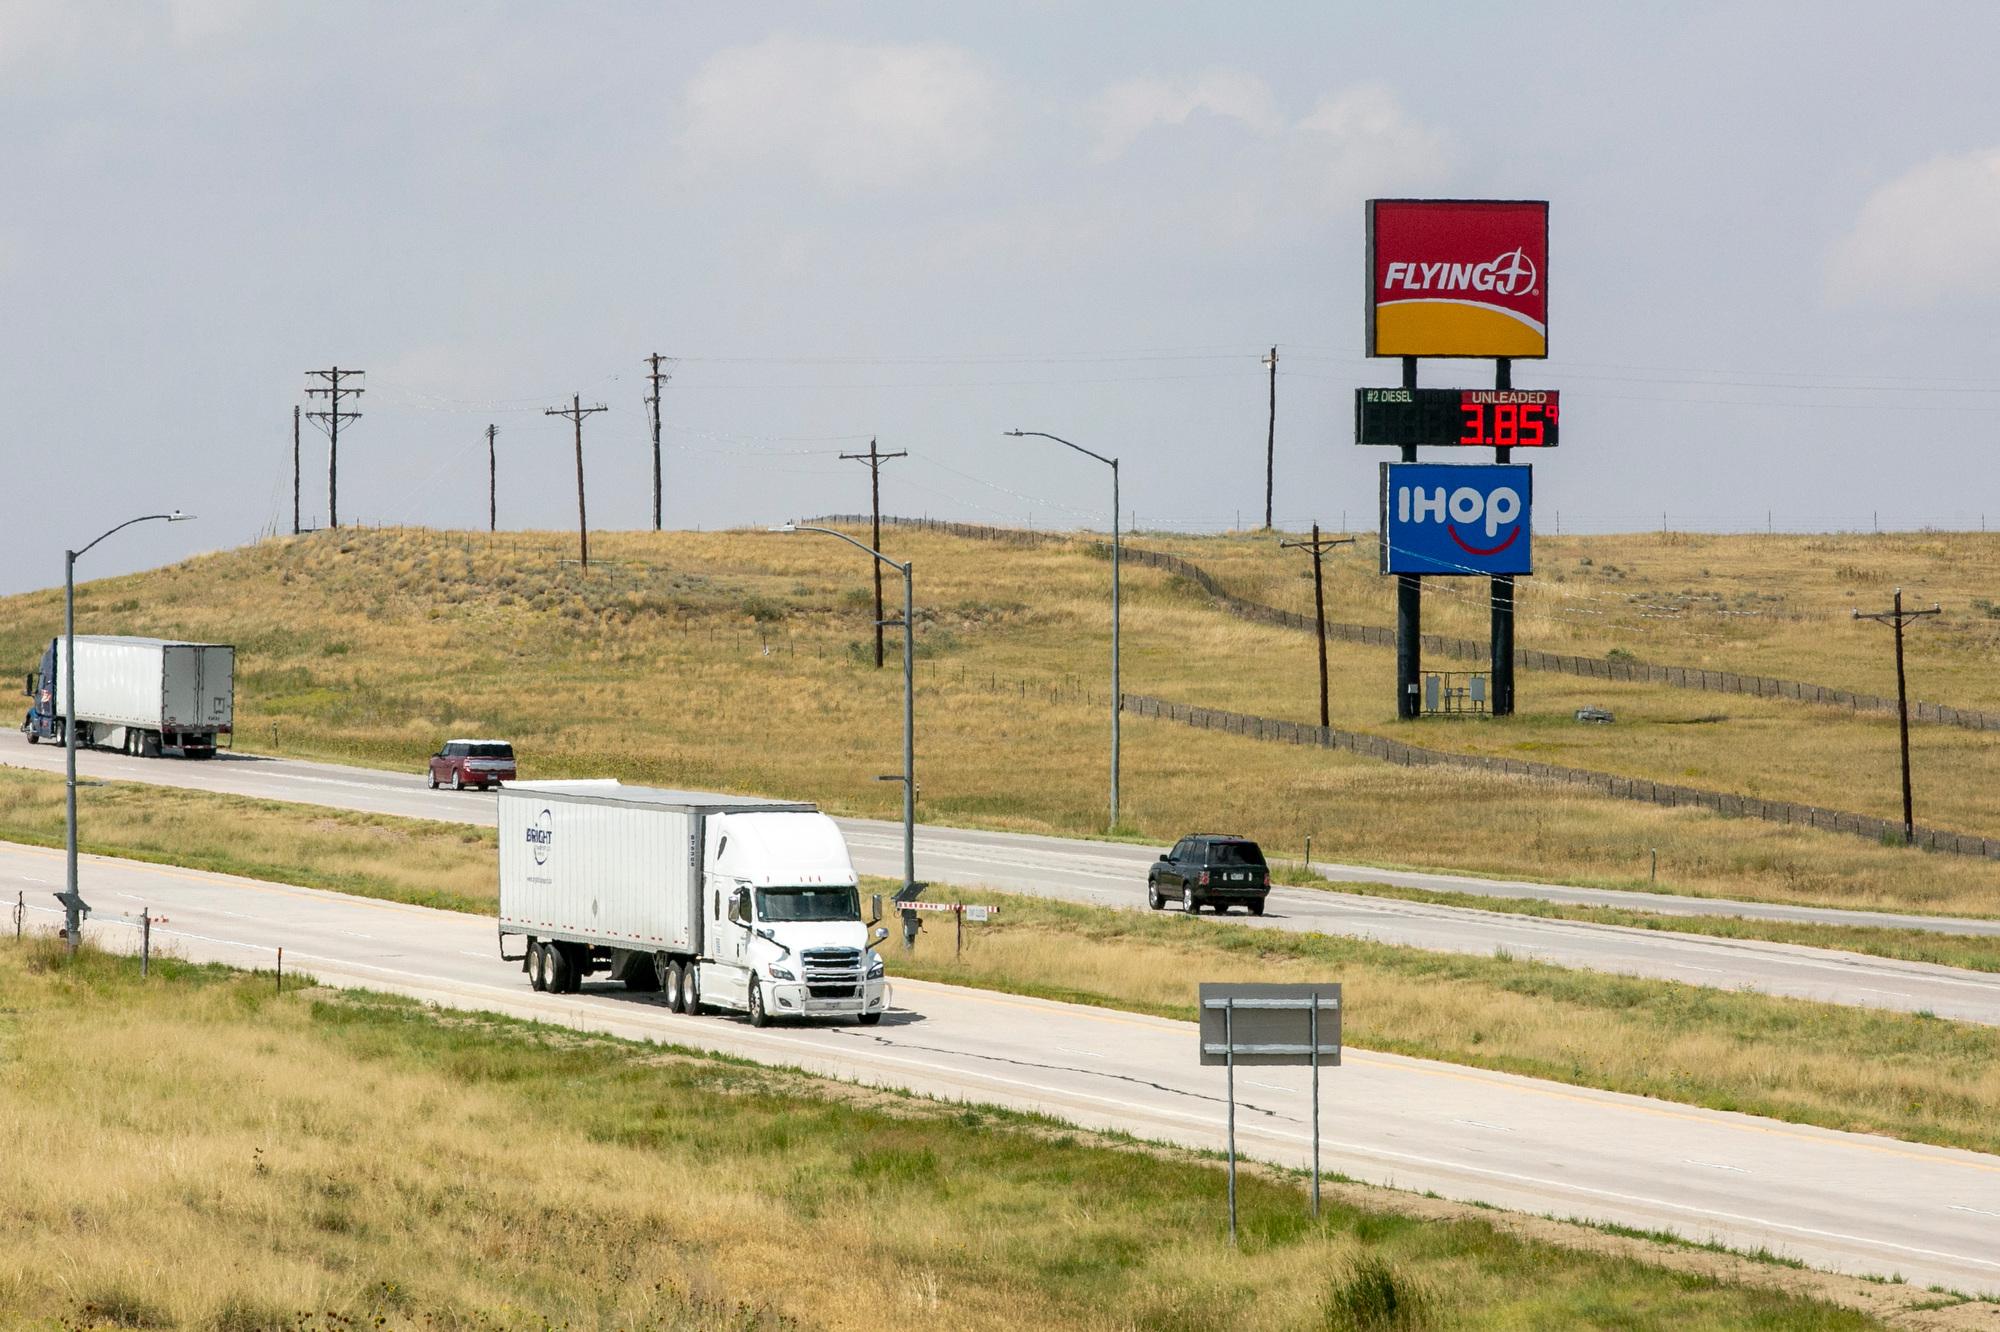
x=909, y=777
x=1117, y=695
x=72, y=903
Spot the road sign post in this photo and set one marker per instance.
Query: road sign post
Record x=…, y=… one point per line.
x=1263, y=1024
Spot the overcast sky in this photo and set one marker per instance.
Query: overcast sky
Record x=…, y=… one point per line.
x=1774, y=257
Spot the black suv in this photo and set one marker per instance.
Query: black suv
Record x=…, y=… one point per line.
x=1210, y=870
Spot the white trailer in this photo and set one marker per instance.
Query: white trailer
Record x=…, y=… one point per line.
x=724, y=902
x=136, y=694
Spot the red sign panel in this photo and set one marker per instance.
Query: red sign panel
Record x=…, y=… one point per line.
x=1458, y=277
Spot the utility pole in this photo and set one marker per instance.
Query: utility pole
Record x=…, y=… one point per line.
x=295, y=471
x=654, y=402
x=1897, y=617
x=1319, y=546
x=1271, y=442
x=329, y=420
x=576, y=411
x=875, y=461
x=492, y=482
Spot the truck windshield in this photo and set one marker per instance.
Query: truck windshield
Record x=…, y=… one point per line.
x=816, y=903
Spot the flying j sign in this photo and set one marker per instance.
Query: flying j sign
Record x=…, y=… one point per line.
x=1456, y=518
x=1458, y=277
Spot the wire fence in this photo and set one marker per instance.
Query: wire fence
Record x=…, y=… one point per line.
x=1786, y=812
x=1472, y=649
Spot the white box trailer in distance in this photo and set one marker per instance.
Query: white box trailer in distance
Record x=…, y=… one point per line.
x=136, y=694
x=723, y=901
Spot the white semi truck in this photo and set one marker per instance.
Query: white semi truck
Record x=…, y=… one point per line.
x=724, y=902
x=136, y=694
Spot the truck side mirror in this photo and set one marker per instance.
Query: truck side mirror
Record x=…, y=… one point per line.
x=29, y=687
x=877, y=935
x=875, y=912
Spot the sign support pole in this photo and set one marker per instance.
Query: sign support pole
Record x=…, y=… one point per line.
x=1313, y=1036
x=1409, y=608
x=1229, y=1040
x=1501, y=641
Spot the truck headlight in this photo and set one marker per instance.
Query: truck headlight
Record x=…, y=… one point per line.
x=874, y=965
x=781, y=973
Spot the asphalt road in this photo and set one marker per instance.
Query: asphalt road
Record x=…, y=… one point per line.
x=1112, y=874
x=1846, y=1201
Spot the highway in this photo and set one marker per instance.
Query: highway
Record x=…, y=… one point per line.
x=1113, y=875
x=1845, y=1201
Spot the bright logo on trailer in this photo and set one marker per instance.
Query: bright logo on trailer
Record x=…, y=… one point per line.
x=541, y=835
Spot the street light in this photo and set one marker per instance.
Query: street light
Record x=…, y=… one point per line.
x=1117, y=697
x=72, y=904
x=909, y=777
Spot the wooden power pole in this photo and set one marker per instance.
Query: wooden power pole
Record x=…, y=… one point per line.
x=1318, y=546
x=1897, y=617
x=295, y=471
x=1271, y=441
x=330, y=420
x=653, y=402
x=576, y=411
x=492, y=482
x=875, y=461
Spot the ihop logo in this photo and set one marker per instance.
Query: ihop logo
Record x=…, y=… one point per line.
x=1456, y=518
x=541, y=836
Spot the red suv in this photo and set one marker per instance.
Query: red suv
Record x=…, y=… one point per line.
x=481, y=763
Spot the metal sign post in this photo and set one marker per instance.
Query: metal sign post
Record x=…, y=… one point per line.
x=1261, y=1024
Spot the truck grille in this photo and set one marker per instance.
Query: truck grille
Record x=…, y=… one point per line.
x=832, y=973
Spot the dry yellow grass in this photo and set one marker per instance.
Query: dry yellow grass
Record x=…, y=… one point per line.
x=736, y=661
x=214, y=1157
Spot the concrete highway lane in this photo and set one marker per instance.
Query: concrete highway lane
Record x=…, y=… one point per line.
x=1113, y=875
x=1846, y=1201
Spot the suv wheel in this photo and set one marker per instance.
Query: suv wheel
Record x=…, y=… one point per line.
x=458, y=779
x=431, y=776
x=1188, y=904
x=1153, y=898
x=1257, y=907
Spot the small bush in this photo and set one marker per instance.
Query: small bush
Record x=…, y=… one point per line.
x=1373, y=1296
x=763, y=610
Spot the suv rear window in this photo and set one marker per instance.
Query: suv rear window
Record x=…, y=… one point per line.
x=490, y=751
x=1234, y=853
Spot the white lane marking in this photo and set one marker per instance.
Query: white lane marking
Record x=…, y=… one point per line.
x=1087, y=1054
x=1714, y=1165
x=1476, y=1123
x=1976, y=1211
x=1267, y=1086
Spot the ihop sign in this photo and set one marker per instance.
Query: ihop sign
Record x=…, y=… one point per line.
x=1456, y=518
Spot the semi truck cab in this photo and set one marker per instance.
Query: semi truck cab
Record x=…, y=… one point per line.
x=784, y=926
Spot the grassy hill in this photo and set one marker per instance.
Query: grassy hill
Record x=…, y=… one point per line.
x=741, y=660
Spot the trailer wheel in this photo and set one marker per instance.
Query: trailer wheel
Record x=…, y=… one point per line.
x=758, y=1017
x=557, y=963
x=538, y=966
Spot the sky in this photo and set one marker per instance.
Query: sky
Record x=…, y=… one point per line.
x=1774, y=265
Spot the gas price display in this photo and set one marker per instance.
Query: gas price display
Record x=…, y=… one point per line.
x=1488, y=418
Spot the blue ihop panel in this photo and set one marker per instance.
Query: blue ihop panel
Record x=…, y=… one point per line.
x=1456, y=518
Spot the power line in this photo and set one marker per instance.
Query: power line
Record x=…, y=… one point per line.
x=576, y=411
x=329, y=420
x=875, y=459
x=653, y=402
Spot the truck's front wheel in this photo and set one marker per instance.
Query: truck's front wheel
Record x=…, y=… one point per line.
x=758, y=1017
